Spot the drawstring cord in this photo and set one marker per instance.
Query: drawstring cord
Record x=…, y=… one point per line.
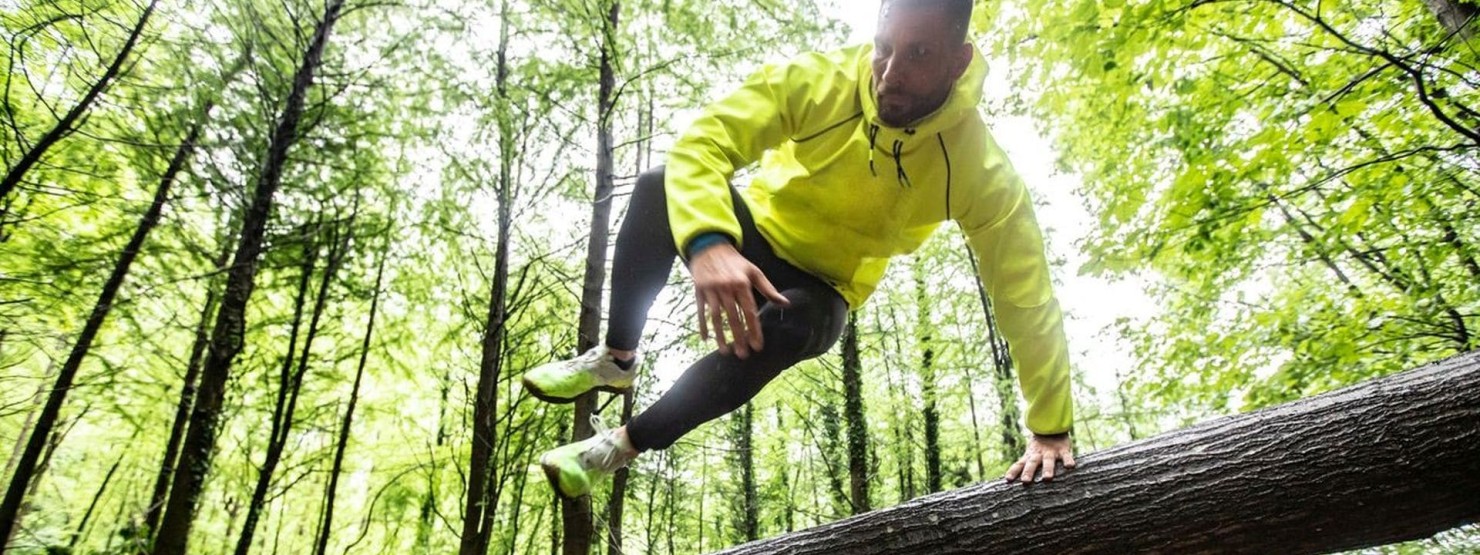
x=873, y=137
x=899, y=174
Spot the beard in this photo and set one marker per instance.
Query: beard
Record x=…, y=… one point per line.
x=898, y=109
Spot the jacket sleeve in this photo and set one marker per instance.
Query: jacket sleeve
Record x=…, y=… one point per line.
x=996, y=214
x=728, y=135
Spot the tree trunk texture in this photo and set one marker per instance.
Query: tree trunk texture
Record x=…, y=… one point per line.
x=747, y=521
x=161, y=490
x=1457, y=16
x=616, y=505
x=480, y=506
x=858, y=475
x=69, y=121
x=158, y=495
x=227, y=334
x=290, y=384
x=576, y=513
x=321, y=546
x=927, y=386
x=1390, y=460
x=25, y=469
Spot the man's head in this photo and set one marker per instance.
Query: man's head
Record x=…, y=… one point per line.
x=920, y=51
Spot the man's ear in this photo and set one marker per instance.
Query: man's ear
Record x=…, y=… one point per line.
x=961, y=60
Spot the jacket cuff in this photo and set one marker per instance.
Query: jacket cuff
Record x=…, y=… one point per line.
x=704, y=241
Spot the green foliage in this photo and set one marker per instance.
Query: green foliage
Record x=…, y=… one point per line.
x=1303, y=215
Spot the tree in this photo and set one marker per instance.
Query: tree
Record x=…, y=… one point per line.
x=67, y=124
x=226, y=336
x=1235, y=480
x=858, y=437
x=26, y=467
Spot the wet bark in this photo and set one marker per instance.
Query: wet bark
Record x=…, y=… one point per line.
x=1390, y=460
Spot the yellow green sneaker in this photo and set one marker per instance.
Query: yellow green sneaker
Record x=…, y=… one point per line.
x=563, y=381
x=573, y=468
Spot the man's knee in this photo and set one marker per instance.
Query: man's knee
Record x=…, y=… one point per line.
x=810, y=326
x=650, y=180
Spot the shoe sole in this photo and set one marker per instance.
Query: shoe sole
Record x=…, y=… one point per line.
x=553, y=476
x=541, y=395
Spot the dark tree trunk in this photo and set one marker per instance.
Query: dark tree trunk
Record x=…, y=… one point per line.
x=26, y=466
x=618, y=501
x=747, y=521
x=67, y=124
x=349, y=412
x=576, y=513
x=161, y=489
x=102, y=487
x=425, y=522
x=1390, y=460
x=858, y=475
x=227, y=334
x=1457, y=16
x=930, y=414
x=482, y=500
x=1005, y=381
x=290, y=383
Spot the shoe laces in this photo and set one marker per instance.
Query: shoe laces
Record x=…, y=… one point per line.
x=606, y=454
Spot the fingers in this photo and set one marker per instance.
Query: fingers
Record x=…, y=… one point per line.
x=703, y=323
x=1014, y=471
x=1031, y=468
x=739, y=338
x=752, y=323
x=717, y=324
x=759, y=281
x=1049, y=461
x=1068, y=459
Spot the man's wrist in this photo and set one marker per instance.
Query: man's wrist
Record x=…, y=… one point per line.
x=703, y=242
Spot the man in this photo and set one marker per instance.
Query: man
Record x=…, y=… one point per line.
x=864, y=152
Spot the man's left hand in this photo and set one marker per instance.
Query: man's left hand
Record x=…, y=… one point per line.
x=1043, y=452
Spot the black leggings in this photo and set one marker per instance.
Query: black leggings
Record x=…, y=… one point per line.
x=716, y=384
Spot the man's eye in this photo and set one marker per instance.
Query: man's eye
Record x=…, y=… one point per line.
x=918, y=53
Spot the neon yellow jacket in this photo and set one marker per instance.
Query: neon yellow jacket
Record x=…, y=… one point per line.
x=838, y=193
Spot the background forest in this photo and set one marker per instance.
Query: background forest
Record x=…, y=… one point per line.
x=351, y=224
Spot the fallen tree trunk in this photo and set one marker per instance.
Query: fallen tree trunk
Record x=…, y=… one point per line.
x=1390, y=460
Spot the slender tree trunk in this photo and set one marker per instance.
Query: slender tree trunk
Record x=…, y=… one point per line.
x=858, y=475
x=789, y=510
x=616, y=504
x=67, y=124
x=833, y=451
x=322, y=544
x=1005, y=381
x=288, y=385
x=1235, y=484
x=429, y=504
x=480, y=507
x=576, y=513
x=227, y=335
x=924, y=326
x=161, y=488
x=159, y=493
x=745, y=452
x=26, y=466
x=102, y=487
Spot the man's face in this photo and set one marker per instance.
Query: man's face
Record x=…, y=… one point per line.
x=916, y=62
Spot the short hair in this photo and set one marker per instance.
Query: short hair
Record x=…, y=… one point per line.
x=957, y=11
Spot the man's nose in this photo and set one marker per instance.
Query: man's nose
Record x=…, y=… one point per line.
x=892, y=71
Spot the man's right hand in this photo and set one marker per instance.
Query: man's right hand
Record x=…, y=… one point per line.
x=723, y=280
